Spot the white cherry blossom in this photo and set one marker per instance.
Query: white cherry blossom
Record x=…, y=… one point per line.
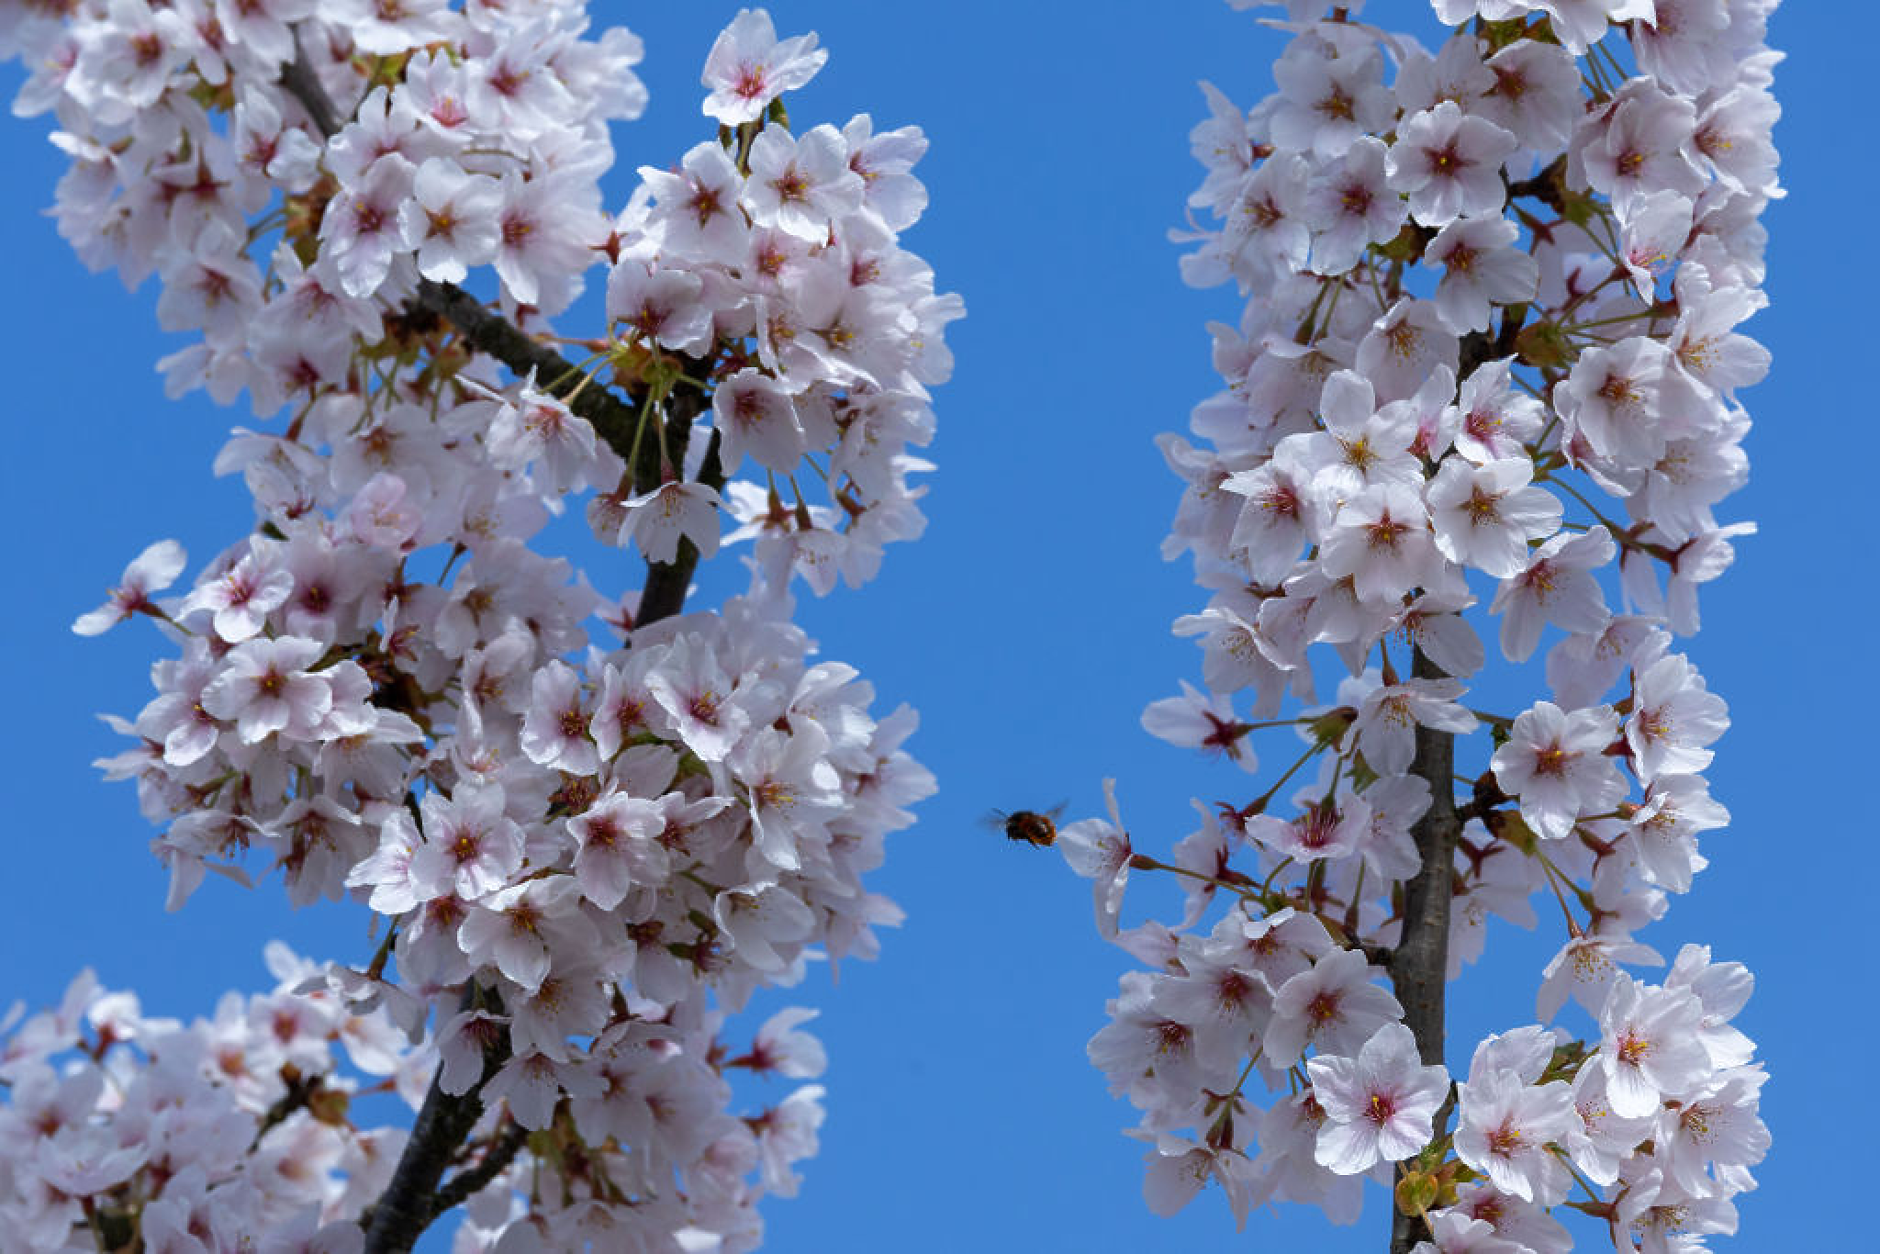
x=1379, y=1105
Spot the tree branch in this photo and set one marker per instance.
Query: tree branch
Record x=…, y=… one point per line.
x=663, y=594
x=613, y=419
x=470, y=1181
x=492, y=334
x=485, y=330
x=444, y=1122
x=1419, y=967
x=303, y=84
x=413, y=1198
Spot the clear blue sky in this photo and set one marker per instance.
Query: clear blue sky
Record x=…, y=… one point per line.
x=1030, y=627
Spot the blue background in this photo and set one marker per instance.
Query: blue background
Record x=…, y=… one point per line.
x=1030, y=627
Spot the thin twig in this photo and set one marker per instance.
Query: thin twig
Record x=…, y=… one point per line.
x=468, y=1183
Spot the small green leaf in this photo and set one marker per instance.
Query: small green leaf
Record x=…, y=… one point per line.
x=1416, y=1193
x=1543, y=344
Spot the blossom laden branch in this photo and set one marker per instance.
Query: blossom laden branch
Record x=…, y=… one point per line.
x=589, y=850
x=615, y=420
x=1423, y=369
x=413, y=1198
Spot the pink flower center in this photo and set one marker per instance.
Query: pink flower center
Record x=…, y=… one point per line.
x=1385, y=532
x=1337, y=105
x=466, y=846
x=751, y=82
x=1445, y=162
x=1171, y=1037
x=791, y=186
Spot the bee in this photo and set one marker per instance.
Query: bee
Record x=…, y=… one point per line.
x=1028, y=826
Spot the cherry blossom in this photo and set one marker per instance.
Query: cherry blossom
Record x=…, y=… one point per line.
x=1555, y=762
x=1378, y=1106
x=1504, y=1130
x=153, y=570
x=1449, y=164
x=1334, y=1007
x=749, y=66
x=1650, y=1049
x=585, y=846
x=1487, y=369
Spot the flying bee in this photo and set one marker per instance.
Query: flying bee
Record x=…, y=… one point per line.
x=1029, y=826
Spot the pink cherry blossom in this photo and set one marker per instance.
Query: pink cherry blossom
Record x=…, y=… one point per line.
x=153, y=570
x=1379, y=1105
x=749, y=66
x=1555, y=762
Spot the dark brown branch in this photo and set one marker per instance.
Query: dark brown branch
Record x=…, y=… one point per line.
x=413, y=1198
x=487, y=331
x=1547, y=186
x=468, y=1183
x=444, y=1122
x=492, y=334
x=1419, y=967
x=298, y=1095
x=614, y=420
x=663, y=594
x=304, y=85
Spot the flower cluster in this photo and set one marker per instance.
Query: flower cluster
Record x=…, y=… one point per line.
x=593, y=824
x=195, y=1136
x=1485, y=383
x=201, y=1136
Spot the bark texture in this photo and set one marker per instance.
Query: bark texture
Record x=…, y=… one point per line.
x=1419, y=965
